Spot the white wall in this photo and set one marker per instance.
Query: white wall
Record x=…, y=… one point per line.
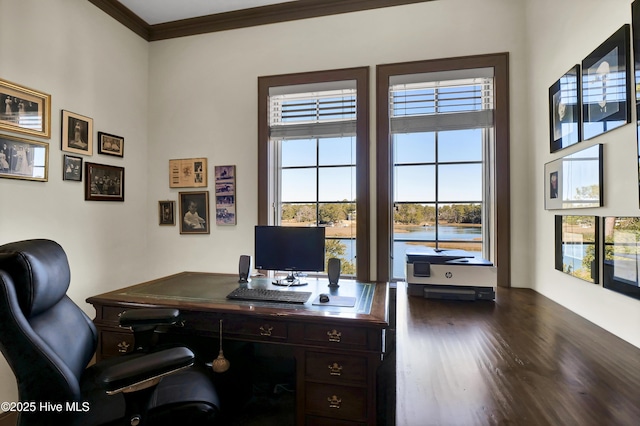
x=90, y=65
x=561, y=34
x=204, y=101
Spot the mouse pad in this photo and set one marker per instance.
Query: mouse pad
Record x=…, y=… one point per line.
x=343, y=301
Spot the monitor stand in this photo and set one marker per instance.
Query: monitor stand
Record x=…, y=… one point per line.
x=291, y=280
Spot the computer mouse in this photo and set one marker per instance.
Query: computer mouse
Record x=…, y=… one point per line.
x=324, y=298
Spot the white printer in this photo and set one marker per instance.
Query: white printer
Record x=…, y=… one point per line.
x=450, y=274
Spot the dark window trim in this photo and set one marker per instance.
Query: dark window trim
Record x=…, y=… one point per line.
x=361, y=76
x=501, y=231
x=270, y=14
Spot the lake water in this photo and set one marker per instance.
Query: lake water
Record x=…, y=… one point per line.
x=419, y=233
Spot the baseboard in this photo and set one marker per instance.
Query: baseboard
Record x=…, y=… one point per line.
x=8, y=419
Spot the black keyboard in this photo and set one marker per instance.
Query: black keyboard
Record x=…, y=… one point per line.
x=266, y=295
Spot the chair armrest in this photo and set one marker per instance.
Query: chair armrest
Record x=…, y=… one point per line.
x=140, y=372
x=149, y=317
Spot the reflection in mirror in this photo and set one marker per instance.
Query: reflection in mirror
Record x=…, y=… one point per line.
x=621, y=265
x=574, y=181
x=576, y=246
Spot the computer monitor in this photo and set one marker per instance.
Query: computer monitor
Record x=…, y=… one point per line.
x=291, y=249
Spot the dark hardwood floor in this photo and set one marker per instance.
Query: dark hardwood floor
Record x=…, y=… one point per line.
x=521, y=360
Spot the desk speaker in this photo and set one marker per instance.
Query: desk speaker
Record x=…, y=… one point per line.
x=244, y=268
x=333, y=270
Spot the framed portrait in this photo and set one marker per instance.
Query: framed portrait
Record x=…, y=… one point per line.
x=103, y=182
x=24, y=110
x=576, y=246
x=574, y=181
x=72, y=168
x=565, y=127
x=606, y=85
x=225, y=195
x=23, y=159
x=194, y=212
x=188, y=173
x=166, y=212
x=110, y=144
x=77, y=133
x=621, y=263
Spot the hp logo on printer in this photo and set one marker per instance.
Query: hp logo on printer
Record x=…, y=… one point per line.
x=448, y=275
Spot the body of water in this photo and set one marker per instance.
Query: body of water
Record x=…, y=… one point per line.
x=419, y=233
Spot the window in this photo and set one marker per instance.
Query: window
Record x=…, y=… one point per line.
x=313, y=159
x=442, y=160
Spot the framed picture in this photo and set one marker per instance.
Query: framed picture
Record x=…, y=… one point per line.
x=166, y=212
x=635, y=24
x=110, y=144
x=194, y=212
x=23, y=159
x=77, y=133
x=103, y=182
x=188, y=173
x=621, y=263
x=225, y=195
x=576, y=246
x=574, y=181
x=564, y=110
x=24, y=110
x=72, y=168
x=606, y=85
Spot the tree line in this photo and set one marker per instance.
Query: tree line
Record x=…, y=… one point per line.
x=419, y=214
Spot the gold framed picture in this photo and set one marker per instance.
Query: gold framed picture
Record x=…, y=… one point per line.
x=23, y=159
x=188, y=173
x=194, y=212
x=166, y=212
x=77, y=133
x=24, y=110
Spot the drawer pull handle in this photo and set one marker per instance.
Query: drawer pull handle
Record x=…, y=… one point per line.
x=334, y=335
x=123, y=347
x=334, y=402
x=265, y=330
x=335, y=369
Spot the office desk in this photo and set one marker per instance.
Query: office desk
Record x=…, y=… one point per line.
x=337, y=349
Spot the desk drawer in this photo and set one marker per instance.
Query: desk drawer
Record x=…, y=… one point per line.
x=115, y=343
x=263, y=329
x=335, y=368
x=340, y=402
x=325, y=421
x=112, y=313
x=336, y=336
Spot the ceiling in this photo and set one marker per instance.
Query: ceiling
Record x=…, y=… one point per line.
x=164, y=19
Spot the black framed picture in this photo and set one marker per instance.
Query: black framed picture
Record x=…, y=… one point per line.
x=574, y=181
x=635, y=24
x=621, y=263
x=576, y=246
x=103, y=182
x=565, y=127
x=110, y=144
x=606, y=85
x=72, y=168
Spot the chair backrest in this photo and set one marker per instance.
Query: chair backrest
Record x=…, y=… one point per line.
x=45, y=337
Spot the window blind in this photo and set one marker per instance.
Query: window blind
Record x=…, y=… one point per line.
x=324, y=113
x=438, y=105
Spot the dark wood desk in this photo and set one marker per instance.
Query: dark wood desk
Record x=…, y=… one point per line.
x=337, y=349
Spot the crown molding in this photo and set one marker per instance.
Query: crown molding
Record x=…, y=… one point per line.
x=271, y=14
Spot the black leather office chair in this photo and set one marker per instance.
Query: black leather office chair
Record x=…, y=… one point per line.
x=48, y=341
